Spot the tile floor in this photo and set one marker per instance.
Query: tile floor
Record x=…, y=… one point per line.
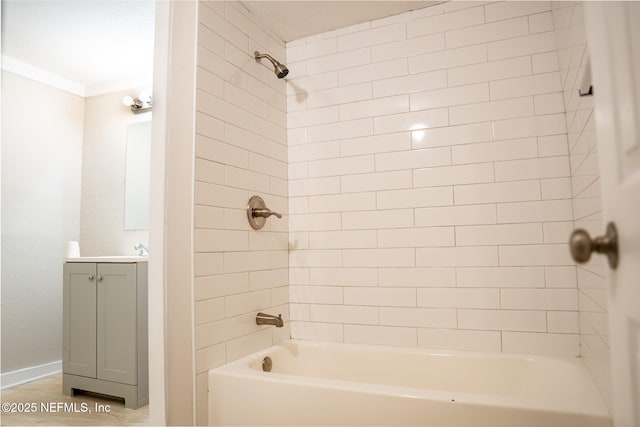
x=49, y=390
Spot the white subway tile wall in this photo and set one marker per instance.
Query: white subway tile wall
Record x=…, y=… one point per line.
x=241, y=150
x=568, y=20
x=430, y=182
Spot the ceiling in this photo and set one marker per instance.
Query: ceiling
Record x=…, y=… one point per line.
x=291, y=20
x=90, y=42
x=98, y=42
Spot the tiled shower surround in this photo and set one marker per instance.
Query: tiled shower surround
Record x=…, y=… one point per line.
x=568, y=18
x=240, y=151
x=429, y=178
x=429, y=183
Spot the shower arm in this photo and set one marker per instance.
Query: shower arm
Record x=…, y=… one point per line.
x=259, y=55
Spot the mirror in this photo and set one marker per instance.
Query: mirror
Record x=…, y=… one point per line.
x=136, y=192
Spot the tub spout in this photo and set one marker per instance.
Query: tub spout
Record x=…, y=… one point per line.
x=269, y=319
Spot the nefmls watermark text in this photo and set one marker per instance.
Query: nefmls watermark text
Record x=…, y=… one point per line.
x=54, y=407
x=83, y=407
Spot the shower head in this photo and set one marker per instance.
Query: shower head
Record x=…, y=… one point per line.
x=281, y=70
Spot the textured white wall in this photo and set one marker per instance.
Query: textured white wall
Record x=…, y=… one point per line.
x=573, y=52
x=240, y=151
x=103, y=177
x=41, y=158
x=430, y=195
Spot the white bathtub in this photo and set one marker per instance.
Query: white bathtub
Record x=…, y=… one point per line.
x=330, y=384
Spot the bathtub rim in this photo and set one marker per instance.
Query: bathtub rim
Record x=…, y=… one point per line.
x=242, y=368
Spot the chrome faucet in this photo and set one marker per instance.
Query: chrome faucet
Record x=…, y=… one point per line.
x=269, y=319
x=142, y=249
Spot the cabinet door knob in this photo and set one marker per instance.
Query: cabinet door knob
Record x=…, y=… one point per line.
x=99, y=278
x=91, y=277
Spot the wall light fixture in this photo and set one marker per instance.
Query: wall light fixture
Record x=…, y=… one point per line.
x=138, y=105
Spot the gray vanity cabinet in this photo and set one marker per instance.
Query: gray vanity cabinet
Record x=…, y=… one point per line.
x=79, y=320
x=105, y=330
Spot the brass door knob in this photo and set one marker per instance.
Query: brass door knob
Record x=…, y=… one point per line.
x=582, y=245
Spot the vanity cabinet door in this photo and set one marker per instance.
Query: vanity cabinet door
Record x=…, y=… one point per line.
x=79, y=319
x=117, y=326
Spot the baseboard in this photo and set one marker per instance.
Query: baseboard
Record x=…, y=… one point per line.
x=21, y=376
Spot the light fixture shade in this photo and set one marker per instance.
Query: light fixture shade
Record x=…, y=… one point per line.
x=128, y=101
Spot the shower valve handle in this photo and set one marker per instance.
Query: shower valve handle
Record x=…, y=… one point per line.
x=264, y=213
x=258, y=212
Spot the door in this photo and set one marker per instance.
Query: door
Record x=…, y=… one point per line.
x=79, y=319
x=614, y=42
x=117, y=326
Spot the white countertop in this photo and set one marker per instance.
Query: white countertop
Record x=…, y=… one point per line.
x=114, y=259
